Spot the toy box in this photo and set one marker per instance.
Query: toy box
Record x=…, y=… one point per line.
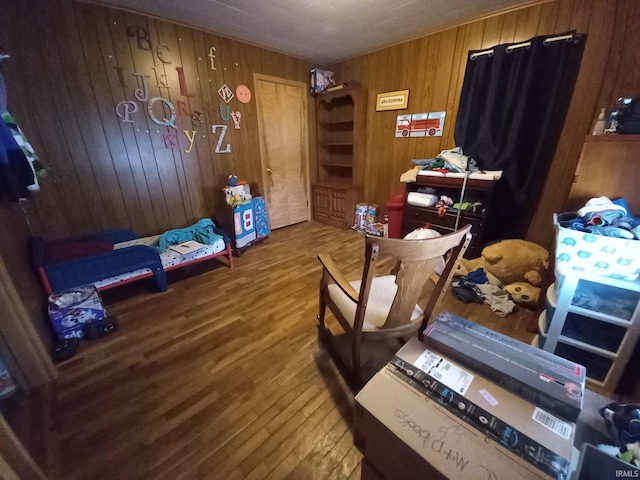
x=549, y=381
x=598, y=254
x=70, y=309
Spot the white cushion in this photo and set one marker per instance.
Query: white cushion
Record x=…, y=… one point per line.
x=383, y=291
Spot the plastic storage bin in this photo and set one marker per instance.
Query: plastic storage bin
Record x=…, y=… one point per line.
x=597, y=254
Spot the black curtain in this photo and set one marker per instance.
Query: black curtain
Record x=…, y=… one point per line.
x=512, y=108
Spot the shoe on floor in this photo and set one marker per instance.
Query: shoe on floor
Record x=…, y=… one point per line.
x=99, y=329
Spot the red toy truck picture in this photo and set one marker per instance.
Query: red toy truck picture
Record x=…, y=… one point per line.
x=420, y=125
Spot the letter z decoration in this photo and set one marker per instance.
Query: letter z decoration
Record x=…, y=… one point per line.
x=218, y=149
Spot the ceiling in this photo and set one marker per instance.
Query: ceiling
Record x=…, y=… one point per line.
x=322, y=31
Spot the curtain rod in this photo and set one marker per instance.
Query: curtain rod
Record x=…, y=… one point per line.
x=475, y=55
x=568, y=37
x=510, y=48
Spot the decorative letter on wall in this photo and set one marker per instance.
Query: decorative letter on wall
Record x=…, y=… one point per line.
x=183, y=83
x=170, y=140
x=219, y=144
x=142, y=35
x=161, y=55
x=236, y=119
x=212, y=57
x=226, y=93
x=161, y=79
x=165, y=122
x=224, y=115
x=196, y=119
x=191, y=138
x=121, y=77
x=183, y=109
x=141, y=94
x=128, y=107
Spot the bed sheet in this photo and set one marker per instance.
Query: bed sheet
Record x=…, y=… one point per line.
x=170, y=259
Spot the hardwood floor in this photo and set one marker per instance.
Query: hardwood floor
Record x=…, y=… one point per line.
x=221, y=377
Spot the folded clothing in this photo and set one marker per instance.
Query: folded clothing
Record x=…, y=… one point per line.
x=421, y=199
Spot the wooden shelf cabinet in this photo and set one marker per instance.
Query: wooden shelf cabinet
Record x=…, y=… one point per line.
x=478, y=190
x=341, y=134
x=605, y=168
x=332, y=204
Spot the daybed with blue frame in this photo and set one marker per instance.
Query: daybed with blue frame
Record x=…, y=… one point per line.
x=115, y=257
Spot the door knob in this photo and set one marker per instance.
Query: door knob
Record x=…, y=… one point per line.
x=269, y=170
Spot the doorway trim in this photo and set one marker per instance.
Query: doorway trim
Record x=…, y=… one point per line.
x=305, y=140
x=28, y=356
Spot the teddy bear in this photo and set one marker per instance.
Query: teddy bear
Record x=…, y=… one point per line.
x=517, y=266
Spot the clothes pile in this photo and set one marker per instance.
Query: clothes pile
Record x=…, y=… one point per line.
x=448, y=161
x=475, y=288
x=601, y=216
x=19, y=165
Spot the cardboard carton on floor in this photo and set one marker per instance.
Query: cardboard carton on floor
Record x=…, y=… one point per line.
x=543, y=440
x=549, y=381
x=404, y=434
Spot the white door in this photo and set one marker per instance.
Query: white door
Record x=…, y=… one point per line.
x=282, y=123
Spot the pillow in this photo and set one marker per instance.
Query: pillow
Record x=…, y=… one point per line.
x=63, y=250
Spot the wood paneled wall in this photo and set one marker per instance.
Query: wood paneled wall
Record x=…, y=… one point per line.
x=432, y=68
x=63, y=87
x=72, y=63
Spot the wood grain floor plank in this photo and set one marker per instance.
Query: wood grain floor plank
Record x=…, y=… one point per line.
x=222, y=376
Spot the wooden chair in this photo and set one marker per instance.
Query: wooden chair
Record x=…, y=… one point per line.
x=382, y=307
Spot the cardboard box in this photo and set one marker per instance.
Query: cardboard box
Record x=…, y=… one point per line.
x=542, y=439
x=70, y=309
x=321, y=79
x=405, y=435
x=549, y=381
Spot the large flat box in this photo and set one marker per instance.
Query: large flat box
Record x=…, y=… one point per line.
x=70, y=309
x=406, y=435
x=540, y=438
x=542, y=378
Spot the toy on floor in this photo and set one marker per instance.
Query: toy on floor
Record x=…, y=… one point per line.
x=518, y=266
x=625, y=417
x=623, y=422
x=74, y=314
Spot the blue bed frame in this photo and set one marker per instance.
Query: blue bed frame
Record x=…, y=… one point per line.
x=67, y=274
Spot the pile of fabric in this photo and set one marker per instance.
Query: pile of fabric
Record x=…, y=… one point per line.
x=475, y=288
x=202, y=232
x=601, y=216
x=448, y=161
x=19, y=165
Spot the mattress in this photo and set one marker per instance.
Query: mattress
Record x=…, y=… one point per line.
x=169, y=259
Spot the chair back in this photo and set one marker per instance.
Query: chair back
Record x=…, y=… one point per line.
x=417, y=260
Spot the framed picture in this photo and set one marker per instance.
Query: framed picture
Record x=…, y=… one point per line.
x=398, y=100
